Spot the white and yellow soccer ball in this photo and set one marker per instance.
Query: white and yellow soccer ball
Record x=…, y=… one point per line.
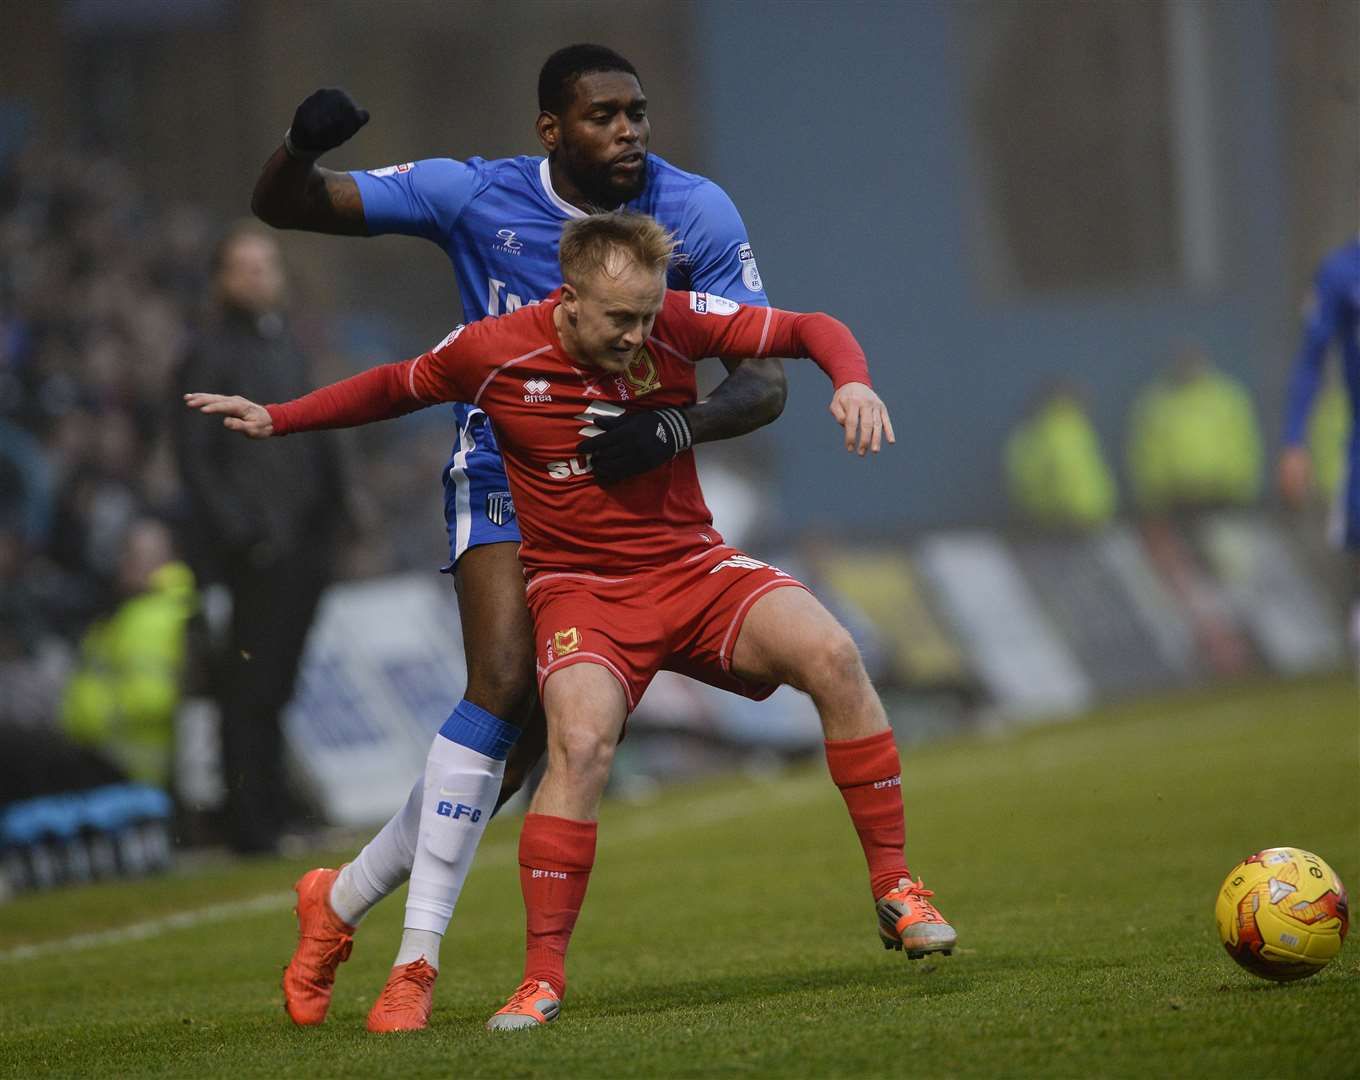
x=1282, y=914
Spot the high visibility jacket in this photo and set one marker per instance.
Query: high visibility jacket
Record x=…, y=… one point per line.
x=124, y=693
x=1055, y=470
x=1194, y=443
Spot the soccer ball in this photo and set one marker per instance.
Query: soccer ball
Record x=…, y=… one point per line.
x=1282, y=914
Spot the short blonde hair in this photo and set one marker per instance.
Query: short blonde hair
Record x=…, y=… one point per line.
x=593, y=244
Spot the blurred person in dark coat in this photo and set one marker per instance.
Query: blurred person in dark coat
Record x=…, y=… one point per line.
x=266, y=529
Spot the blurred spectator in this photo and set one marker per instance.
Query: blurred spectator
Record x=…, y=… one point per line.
x=1056, y=475
x=123, y=695
x=25, y=483
x=264, y=519
x=1193, y=439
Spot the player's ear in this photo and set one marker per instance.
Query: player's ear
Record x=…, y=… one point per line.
x=548, y=131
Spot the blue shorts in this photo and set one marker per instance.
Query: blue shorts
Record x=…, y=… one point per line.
x=477, y=505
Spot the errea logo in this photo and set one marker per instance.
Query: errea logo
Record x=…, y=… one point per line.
x=508, y=242
x=451, y=338
x=536, y=390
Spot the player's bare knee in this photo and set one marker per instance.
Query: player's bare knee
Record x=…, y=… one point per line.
x=832, y=671
x=582, y=752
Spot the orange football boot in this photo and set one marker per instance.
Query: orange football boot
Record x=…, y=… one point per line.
x=908, y=920
x=406, y=1000
x=533, y=1004
x=324, y=943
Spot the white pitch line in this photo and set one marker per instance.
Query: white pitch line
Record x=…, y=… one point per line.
x=151, y=928
x=762, y=796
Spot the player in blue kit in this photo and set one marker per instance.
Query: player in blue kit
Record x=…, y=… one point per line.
x=499, y=222
x=1333, y=315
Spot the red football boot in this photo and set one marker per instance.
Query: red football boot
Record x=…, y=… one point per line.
x=908, y=920
x=406, y=1000
x=324, y=943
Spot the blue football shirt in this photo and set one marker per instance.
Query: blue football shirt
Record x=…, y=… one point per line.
x=500, y=222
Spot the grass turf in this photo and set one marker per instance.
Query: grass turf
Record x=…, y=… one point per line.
x=729, y=930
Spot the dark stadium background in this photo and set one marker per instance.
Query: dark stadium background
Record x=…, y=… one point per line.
x=990, y=193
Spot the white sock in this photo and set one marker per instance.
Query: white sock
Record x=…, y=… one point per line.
x=383, y=864
x=461, y=786
x=418, y=943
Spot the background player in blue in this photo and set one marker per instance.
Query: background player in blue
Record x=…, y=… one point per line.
x=1333, y=314
x=499, y=221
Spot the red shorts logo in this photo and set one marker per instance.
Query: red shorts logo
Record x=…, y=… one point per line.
x=566, y=641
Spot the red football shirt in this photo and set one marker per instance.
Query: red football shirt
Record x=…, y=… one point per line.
x=514, y=368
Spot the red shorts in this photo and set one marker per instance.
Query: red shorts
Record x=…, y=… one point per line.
x=683, y=618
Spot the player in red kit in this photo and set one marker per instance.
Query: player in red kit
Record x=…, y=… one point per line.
x=632, y=578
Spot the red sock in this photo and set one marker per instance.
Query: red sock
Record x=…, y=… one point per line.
x=555, y=857
x=869, y=775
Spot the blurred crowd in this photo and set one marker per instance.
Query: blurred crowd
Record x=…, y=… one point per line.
x=102, y=296
x=98, y=292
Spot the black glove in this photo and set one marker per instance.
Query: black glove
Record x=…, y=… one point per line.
x=322, y=122
x=635, y=443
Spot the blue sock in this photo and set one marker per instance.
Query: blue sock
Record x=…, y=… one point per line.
x=472, y=726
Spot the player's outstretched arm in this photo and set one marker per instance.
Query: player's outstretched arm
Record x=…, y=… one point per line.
x=293, y=192
x=864, y=417
x=238, y=413
x=380, y=393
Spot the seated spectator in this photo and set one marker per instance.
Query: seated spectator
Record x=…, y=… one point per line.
x=126, y=687
x=1193, y=439
x=1055, y=472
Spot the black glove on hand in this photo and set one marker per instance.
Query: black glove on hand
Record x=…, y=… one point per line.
x=635, y=443
x=322, y=122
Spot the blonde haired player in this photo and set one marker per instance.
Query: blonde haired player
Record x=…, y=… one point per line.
x=630, y=579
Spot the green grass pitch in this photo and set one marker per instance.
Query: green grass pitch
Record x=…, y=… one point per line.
x=729, y=930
